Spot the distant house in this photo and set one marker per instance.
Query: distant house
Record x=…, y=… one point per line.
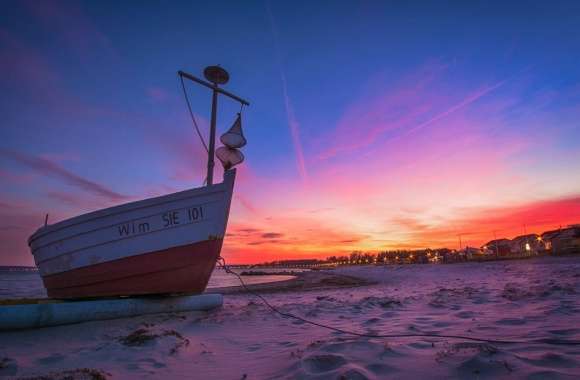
x=563, y=241
x=500, y=247
x=452, y=256
x=530, y=244
x=473, y=251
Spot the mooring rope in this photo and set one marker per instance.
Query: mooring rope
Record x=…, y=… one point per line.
x=222, y=263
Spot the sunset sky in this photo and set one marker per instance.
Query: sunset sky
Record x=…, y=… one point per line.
x=372, y=125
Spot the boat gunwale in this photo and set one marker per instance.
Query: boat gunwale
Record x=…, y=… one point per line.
x=122, y=208
x=110, y=241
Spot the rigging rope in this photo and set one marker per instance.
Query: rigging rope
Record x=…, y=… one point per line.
x=222, y=263
x=191, y=114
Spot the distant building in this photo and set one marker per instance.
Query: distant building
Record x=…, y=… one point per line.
x=530, y=244
x=500, y=247
x=563, y=241
x=468, y=252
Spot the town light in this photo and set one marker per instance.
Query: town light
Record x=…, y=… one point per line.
x=527, y=246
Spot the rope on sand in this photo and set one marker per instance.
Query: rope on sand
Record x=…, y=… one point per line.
x=561, y=342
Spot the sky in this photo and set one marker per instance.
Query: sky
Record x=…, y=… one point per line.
x=373, y=125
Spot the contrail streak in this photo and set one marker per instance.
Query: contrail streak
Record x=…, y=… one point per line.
x=292, y=121
x=467, y=101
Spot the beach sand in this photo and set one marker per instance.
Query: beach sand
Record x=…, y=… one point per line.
x=523, y=300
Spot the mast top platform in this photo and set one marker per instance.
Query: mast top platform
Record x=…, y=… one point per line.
x=216, y=75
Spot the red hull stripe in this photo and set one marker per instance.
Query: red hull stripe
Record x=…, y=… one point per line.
x=184, y=269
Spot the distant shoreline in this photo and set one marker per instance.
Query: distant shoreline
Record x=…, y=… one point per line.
x=17, y=268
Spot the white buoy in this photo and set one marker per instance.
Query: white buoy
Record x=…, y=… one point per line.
x=61, y=313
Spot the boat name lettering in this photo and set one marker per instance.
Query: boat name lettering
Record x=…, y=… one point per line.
x=133, y=228
x=195, y=213
x=168, y=219
x=171, y=218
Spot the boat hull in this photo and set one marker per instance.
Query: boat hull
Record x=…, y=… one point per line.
x=184, y=269
x=161, y=245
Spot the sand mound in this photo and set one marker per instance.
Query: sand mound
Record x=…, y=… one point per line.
x=450, y=297
x=383, y=302
x=342, y=358
x=518, y=291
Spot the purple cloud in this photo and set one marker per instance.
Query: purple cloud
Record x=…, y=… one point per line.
x=51, y=169
x=271, y=235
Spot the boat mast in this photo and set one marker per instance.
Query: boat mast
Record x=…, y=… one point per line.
x=216, y=75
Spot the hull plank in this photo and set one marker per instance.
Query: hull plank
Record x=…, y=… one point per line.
x=184, y=269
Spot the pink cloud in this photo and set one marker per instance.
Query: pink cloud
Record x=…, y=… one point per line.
x=372, y=115
x=462, y=104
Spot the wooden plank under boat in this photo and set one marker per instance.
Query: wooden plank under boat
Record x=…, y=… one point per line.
x=54, y=313
x=162, y=245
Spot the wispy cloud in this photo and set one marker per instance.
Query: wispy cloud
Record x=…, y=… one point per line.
x=51, y=169
x=464, y=103
x=385, y=110
x=418, y=100
x=292, y=120
x=294, y=131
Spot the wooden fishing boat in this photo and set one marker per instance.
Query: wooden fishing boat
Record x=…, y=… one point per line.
x=166, y=244
x=162, y=245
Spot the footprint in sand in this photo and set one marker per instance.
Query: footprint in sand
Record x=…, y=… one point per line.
x=511, y=321
x=152, y=362
x=564, y=331
x=323, y=363
x=371, y=321
x=465, y=314
x=288, y=344
x=254, y=347
x=354, y=374
x=550, y=359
